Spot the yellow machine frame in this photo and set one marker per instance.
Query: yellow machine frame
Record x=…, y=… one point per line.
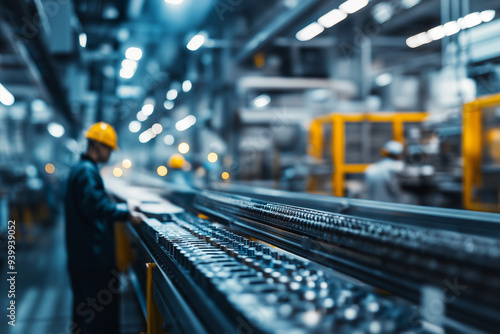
x=338, y=121
x=472, y=146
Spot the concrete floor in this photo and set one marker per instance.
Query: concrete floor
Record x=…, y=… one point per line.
x=43, y=294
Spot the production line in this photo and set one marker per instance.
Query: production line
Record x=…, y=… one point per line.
x=235, y=264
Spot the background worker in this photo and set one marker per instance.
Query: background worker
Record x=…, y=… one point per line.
x=382, y=179
x=90, y=237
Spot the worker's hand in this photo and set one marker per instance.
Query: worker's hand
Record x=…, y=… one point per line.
x=134, y=218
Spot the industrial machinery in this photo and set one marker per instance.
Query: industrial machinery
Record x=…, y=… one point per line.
x=353, y=141
x=481, y=151
x=251, y=261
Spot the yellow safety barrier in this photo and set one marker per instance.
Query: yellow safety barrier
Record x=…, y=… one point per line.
x=337, y=122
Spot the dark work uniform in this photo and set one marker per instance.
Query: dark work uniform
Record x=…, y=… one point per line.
x=91, y=250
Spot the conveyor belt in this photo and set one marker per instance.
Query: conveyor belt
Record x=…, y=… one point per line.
x=265, y=267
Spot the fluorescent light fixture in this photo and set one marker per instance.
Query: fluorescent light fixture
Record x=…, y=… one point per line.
x=126, y=73
x=196, y=42
x=436, y=33
x=135, y=126
x=352, y=6
x=172, y=94
x=185, y=123
x=174, y=2
x=383, y=79
x=148, y=109
x=55, y=129
x=83, y=39
x=415, y=41
x=409, y=3
x=471, y=20
x=145, y=136
x=129, y=64
x=451, y=28
x=423, y=38
x=186, y=86
x=169, y=105
x=487, y=15
x=141, y=117
x=133, y=53
x=6, y=98
x=309, y=32
x=332, y=18
x=169, y=140
x=157, y=128
x=261, y=101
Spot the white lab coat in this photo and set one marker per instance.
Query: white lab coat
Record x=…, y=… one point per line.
x=382, y=180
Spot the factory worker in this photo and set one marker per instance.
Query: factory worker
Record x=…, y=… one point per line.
x=90, y=237
x=382, y=179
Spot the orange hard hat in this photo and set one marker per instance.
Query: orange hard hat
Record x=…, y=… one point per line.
x=103, y=133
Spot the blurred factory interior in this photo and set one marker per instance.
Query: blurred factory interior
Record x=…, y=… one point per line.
x=233, y=116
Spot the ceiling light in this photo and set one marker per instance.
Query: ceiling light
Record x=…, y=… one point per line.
x=141, y=117
x=126, y=163
x=183, y=148
x=185, y=123
x=423, y=38
x=352, y=6
x=145, y=137
x=126, y=73
x=50, y=168
x=169, y=105
x=332, y=18
x=83, y=39
x=487, y=15
x=148, y=109
x=196, y=42
x=382, y=12
x=212, y=157
x=471, y=20
x=134, y=126
x=129, y=64
x=157, y=128
x=383, y=79
x=309, y=32
x=6, y=98
x=186, y=86
x=174, y=2
x=55, y=129
x=168, y=140
x=436, y=33
x=451, y=28
x=162, y=170
x=172, y=94
x=117, y=172
x=409, y=3
x=261, y=101
x=133, y=53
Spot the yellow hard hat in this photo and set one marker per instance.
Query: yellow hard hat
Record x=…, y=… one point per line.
x=176, y=161
x=103, y=133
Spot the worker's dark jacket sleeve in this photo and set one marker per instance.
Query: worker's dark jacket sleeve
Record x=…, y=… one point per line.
x=89, y=219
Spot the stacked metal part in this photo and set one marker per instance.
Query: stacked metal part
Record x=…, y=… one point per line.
x=402, y=259
x=264, y=290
